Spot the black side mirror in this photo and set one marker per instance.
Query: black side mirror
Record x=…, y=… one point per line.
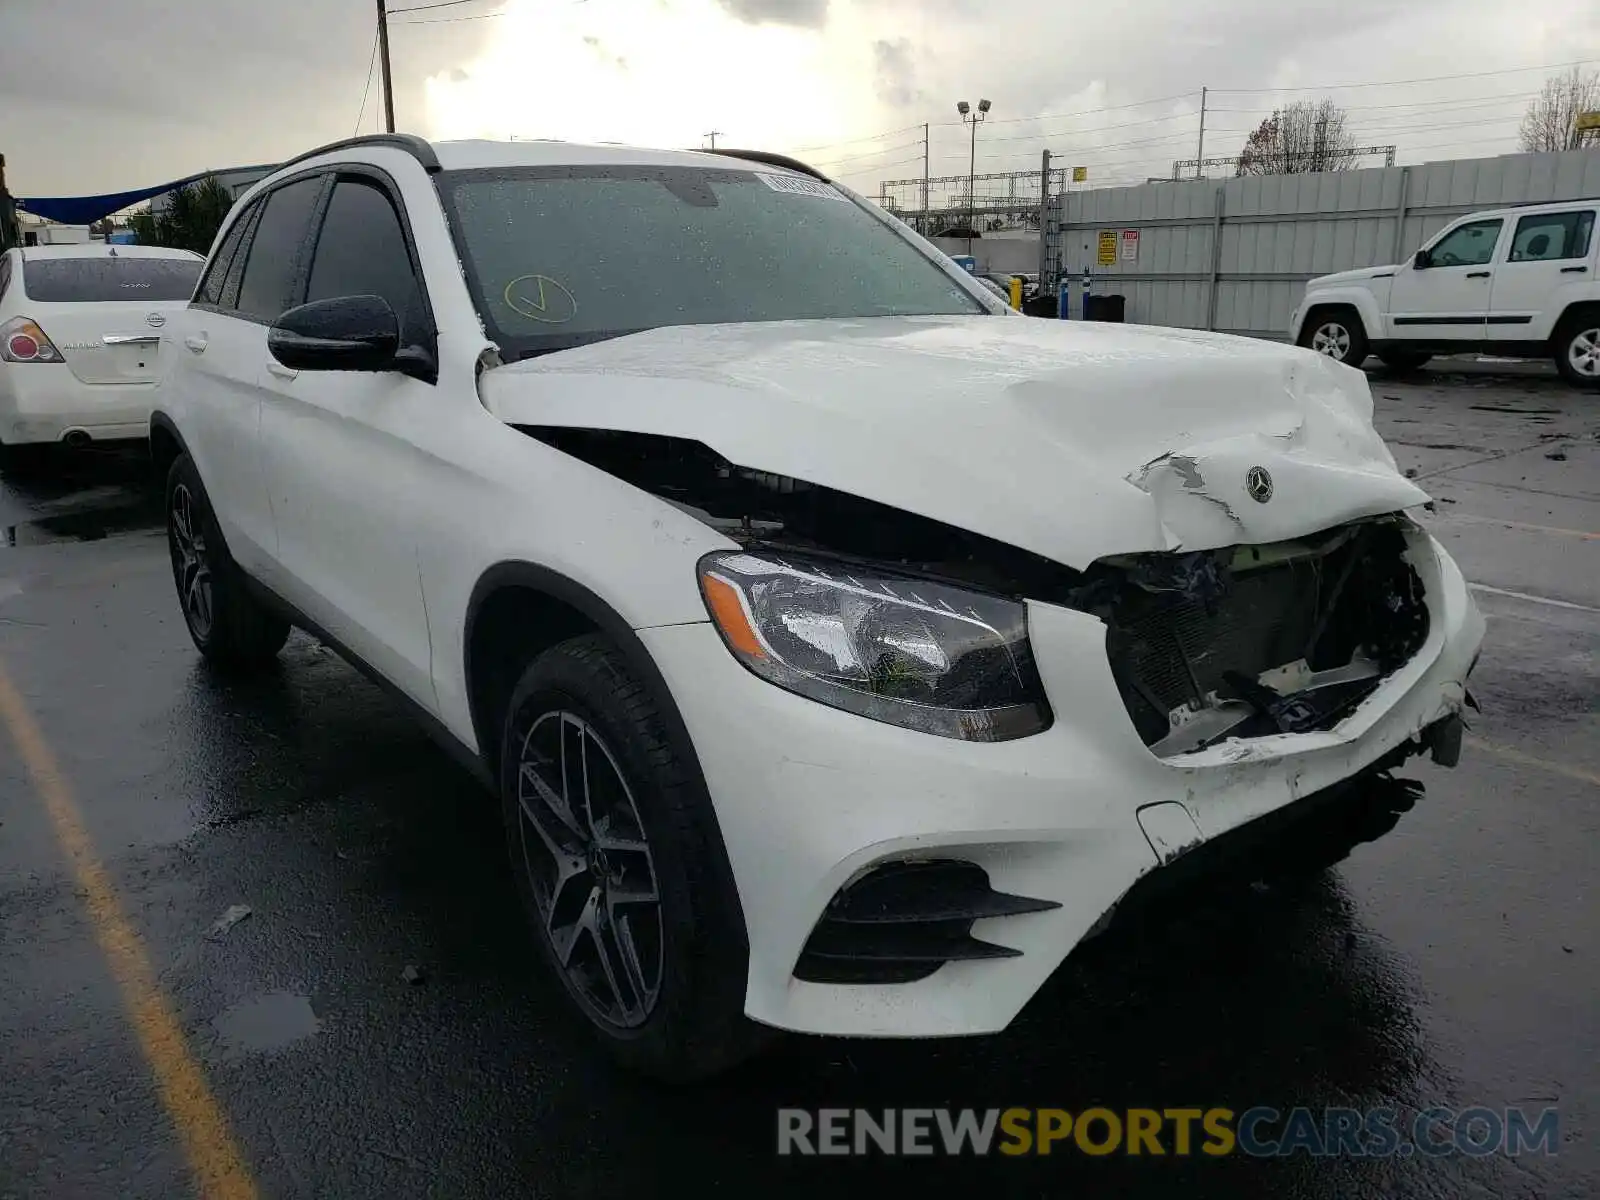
x=1422, y=261
x=347, y=333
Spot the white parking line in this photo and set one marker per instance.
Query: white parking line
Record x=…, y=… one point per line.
x=1494, y=591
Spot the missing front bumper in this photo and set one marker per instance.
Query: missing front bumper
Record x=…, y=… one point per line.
x=1257, y=640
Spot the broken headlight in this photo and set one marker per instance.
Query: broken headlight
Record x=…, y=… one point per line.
x=908, y=651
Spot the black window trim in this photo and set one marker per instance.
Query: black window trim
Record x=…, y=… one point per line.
x=5, y=273
x=257, y=205
x=1494, y=251
x=1579, y=213
x=384, y=182
x=215, y=265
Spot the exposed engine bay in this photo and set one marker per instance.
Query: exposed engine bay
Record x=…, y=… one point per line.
x=1239, y=642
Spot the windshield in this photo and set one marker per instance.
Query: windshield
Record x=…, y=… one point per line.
x=109, y=280
x=559, y=256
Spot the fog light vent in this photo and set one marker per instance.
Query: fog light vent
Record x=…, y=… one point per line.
x=903, y=921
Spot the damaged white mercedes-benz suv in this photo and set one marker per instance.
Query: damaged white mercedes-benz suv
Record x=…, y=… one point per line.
x=843, y=647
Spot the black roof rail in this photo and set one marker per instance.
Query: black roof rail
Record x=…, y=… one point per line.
x=773, y=160
x=419, y=148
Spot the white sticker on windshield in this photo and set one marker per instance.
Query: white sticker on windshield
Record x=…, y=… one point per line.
x=796, y=186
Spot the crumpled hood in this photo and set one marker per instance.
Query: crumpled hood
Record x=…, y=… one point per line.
x=1360, y=275
x=1067, y=439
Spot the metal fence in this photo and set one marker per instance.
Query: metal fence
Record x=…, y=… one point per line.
x=1235, y=256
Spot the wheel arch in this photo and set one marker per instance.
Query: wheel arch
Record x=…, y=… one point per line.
x=1323, y=302
x=166, y=444
x=508, y=595
x=1571, y=313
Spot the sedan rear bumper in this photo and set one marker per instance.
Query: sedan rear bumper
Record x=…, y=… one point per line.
x=44, y=402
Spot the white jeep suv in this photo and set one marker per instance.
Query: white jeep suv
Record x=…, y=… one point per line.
x=844, y=648
x=1515, y=282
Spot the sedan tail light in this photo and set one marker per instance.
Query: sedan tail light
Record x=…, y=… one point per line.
x=22, y=341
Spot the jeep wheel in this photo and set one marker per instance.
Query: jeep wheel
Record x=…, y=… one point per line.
x=226, y=623
x=1578, y=350
x=610, y=838
x=1337, y=333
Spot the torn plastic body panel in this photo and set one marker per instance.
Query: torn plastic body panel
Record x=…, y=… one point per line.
x=1204, y=645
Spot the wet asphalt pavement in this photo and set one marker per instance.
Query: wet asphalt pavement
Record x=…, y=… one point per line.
x=1455, y=962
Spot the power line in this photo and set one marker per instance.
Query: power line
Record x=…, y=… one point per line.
x=431, y=7
x=844, y=158
x=372, y=62
x=1330, y=87
x=1463, y=102
x=1085, y=112
x=875, y=137
x=1031, y=137
x=452, y=20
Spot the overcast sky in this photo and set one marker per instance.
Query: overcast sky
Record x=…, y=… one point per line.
x=107, y=97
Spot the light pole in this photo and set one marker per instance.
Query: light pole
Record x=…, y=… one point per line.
x=974, y=119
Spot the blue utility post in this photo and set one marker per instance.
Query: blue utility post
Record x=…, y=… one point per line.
x=1064, y=297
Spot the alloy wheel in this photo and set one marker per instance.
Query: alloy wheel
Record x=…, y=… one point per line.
x=590, y=869
x=1332, y=339
x=1583, y=353
x=191, y=566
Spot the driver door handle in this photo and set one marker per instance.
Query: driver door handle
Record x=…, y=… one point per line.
x=281, y=371
x=1477, y=274
x=1573, y=270
x=196, y=342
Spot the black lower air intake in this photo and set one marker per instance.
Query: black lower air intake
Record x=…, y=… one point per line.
x=903, y=921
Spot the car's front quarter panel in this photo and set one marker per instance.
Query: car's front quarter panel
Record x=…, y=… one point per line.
x=515, y=500
x=1369, y=297
x=809, y=797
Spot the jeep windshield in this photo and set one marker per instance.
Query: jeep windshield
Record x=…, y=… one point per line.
x=558, y=257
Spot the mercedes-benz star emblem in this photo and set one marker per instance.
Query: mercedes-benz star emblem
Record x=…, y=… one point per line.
x=1259, y=484
x=155, y=320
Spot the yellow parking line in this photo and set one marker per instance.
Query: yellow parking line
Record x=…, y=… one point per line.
x=218, y=1167
x=1530, y=760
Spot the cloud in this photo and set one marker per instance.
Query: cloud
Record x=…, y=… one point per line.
x=896, y=72
x=806, y=14
x=104, y=97
x=101, y=97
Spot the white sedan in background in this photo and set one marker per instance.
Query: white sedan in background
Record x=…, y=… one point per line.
x=80, y=341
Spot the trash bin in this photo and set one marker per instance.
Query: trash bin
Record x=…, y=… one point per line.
x=1104, y=308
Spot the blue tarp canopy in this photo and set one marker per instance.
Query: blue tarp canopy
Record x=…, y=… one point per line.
x=86, y=210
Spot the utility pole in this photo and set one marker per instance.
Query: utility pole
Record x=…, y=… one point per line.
x=1044, y=221
x=713, y=136
x=972, y=117
x=926, y=163
x=1200, y=151
x=383, y=53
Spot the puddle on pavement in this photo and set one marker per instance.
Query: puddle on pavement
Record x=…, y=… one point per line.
x=90, y=526
x=265, y=1023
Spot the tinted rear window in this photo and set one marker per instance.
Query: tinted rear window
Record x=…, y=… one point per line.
x=103, y=280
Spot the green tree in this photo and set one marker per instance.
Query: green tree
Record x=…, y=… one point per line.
x=191, y=219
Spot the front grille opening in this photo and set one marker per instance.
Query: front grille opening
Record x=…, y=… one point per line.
x=1255, y=640
x=902, y=921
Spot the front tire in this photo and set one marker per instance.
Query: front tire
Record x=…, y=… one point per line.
x=1578, y=350
x=1336, y=333
x=228, y=625
x=610, y=838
